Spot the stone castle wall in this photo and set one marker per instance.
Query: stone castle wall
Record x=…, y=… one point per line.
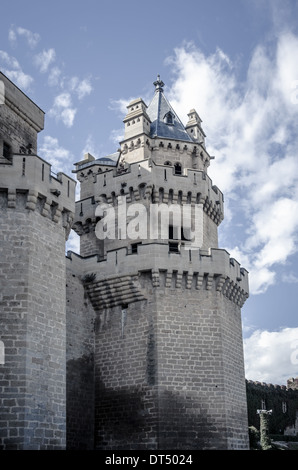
x=162, y=367
x=80, y=324
x=33, y=329
x=119, y=348
x=36, y=213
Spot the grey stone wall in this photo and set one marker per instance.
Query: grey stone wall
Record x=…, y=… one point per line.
x=200, y=364
x=80, y=319
x=32, y=298
x=169, y=372
x=21, y=120
x=126, y=412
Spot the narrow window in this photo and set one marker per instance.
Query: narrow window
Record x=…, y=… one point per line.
x=24, y=166
x=42, y=172
x=173, y=247
x=177, y=169
x=134, y=248
x=6, y=150
x=161, y=194
x=68, y=188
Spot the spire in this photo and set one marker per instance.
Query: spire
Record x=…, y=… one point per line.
x=164, y=121
x=159, y=84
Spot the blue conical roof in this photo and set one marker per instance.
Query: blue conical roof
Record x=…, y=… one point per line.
x=164, y=121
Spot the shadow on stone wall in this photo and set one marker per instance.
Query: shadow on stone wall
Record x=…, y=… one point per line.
x=80, y=403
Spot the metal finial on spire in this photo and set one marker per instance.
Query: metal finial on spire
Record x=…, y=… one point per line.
x=159, y=84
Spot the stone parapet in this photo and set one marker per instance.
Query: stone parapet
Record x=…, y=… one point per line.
x=197, y=269
x=153, y=183
x=265, y=385
x=30, y=178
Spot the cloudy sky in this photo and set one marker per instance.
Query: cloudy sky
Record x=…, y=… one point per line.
x=236, y=63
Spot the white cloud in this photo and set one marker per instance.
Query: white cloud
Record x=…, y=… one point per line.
x=271, y=356
x=31, y=38
x=55, y=75
x=67, y=116
x=287, y=67
x=116, y=136
x=250, y=127
x=12, y=37
x=290, y=278
x=62, y=109
x=60, y=158
x=84, y=88
x=121, y=105
x=81, y=88
x=44, y=59
x=9, y=60
x=12, y=69
x=89, y=147
x=63, y=100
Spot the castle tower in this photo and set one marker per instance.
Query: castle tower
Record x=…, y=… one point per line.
x=169, y=371
x=36, y=213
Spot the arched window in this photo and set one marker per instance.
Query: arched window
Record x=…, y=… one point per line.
x=169, y=118
x=142, y=190
x=177, y=169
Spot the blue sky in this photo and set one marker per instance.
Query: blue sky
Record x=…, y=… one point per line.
x=236, y=63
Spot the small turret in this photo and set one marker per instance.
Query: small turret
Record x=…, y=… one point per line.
x=137, y=120
x=194, y=127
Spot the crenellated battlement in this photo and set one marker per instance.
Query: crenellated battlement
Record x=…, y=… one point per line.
x=212, y=270
x=150, y=182
x=264, y=385
x=27, y=182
